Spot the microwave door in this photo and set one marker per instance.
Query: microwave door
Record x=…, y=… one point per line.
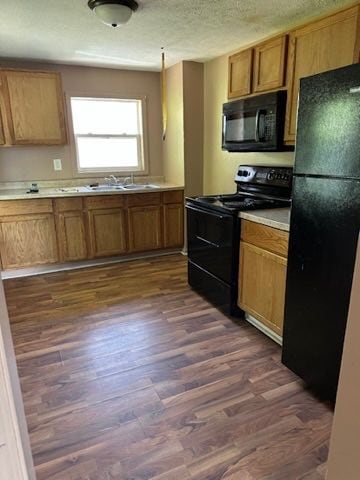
x=240, y=128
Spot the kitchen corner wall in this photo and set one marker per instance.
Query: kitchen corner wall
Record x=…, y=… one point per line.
x=220, y=166
x=36, y=163
x=183, y=146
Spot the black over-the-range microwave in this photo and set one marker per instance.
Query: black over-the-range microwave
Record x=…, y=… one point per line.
x=255, y=124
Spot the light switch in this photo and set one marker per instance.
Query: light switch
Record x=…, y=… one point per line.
x=57, y=164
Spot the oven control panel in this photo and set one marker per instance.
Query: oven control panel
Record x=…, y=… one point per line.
x=265, y=175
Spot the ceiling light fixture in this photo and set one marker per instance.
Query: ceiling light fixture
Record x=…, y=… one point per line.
x=113, y=12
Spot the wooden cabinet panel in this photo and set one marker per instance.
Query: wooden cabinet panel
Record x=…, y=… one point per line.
x=321, y=46
x=68, y=204
x=145, y=228
x=107, y=232
x=23, y=207
x=175, y=196
x=71, y=236
x=138, y=199
x=240, y=73
x=28, y=240
x=105, y=201
x=173, y=225
x=2, y=136
x=262, y=281
x=269, y=64
x=34, y=107
x=272, y=239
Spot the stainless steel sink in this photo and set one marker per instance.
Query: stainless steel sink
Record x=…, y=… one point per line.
x=129, y=186
x=138, y=186
x=105, y=188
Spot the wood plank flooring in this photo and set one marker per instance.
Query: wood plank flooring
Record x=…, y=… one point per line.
x=128, y=374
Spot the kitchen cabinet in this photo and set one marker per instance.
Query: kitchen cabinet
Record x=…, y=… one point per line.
x=173, y=219
x=27, y=240
x=173, y=225
x=41, y=231
x=145, y=228
x=258, y=69
x=107, y=225
x=262, y=274
x=327, y=44
x=32, y=107
x=269, y=64
x=240, y=73
x=2, y=137
x=71, y=229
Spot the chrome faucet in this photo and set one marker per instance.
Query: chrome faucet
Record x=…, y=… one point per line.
x=128, y=180
x=112, y=180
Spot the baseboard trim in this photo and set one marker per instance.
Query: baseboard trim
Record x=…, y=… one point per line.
x=61, y=267
x=264, y=329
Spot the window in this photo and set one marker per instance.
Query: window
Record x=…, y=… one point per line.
x=108, y=134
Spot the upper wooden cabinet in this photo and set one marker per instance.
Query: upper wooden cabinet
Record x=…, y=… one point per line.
x=258, y=69
x=269, y=64
x=240, y=73
x=330, y=43
x=32, y=108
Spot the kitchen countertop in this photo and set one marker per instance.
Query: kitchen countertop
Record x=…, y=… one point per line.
x=55, y=192
x=275, y=217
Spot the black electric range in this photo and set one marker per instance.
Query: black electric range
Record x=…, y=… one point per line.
x=213, y=230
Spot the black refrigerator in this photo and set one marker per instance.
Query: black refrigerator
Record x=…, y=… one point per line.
x=324, y=227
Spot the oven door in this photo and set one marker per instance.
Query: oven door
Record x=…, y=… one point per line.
x=210, y=241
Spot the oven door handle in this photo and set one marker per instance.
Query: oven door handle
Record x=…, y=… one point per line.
x=202, y=239
x=208, y=212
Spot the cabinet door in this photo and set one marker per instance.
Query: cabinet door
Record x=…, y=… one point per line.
x=71, y=236
x=107, y=232
x=2, y=137
x=269, y=65
x=173, y=225
x=28, y=240
x=321, y=46
x=145, y=228
x=262, y=280
x=34, y=107
x=240, y=74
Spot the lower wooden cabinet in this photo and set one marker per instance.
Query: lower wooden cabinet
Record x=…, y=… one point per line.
x=173, y=225
x=262, y=273
x=28, y=240
x=145, y=228
x=262, y=282
x=41, y=231
x=107, y=232
x=72, y=236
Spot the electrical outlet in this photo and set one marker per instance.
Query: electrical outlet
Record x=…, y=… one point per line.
x=57, y=164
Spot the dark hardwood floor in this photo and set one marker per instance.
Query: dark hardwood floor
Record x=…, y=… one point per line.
x=128, y=374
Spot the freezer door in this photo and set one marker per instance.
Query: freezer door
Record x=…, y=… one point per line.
x=328, y=128
x=323, y=236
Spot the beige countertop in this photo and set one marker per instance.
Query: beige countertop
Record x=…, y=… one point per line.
x=55, y=192
x=276, y=217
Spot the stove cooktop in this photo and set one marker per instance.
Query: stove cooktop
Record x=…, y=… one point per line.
x=234, y=203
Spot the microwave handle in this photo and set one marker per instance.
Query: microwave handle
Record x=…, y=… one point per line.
x=257, y=123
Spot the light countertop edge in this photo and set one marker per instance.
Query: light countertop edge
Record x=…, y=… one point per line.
x=276, y=217
x=20, y=194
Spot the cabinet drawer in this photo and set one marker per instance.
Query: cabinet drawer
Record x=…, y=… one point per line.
x=105, y=201
x=173, y=197
x=68, y=204
x=140, y=199
x=24, y=207
x=269, y=238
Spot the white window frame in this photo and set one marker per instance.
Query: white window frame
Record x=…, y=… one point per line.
x=141, y=138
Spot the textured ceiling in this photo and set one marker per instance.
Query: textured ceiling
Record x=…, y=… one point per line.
x=67, y=31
